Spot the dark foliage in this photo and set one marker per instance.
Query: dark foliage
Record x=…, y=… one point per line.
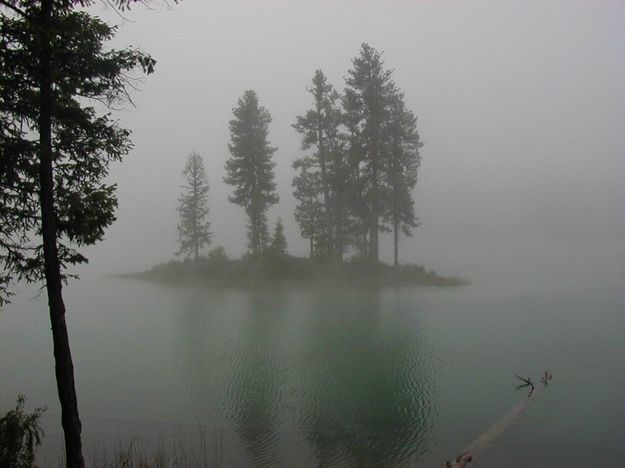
x=56, y=150
x=250, y=167
x=357, y=177
x=84, y=143
x=19, y=435
x=322, y=180
x=250, y=271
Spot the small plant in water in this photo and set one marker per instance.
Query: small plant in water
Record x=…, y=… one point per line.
x=19, y=435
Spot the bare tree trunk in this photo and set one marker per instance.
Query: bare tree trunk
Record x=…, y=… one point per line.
x=328, y=243
x=311, y=246
x=395, y=244
x=338, y=240
x=373, y=241
x=375, y=214
x=365, y=243
x=64, y=368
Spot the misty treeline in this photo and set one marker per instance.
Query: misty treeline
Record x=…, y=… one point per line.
x=354, y=180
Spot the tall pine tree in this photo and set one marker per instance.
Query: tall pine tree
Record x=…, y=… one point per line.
x=319, y=129
x=250, y=167
x=400, y=170
x=369, y=93
x=193, y=228
x=356, y=192
x=55, y=154
x=309, y=210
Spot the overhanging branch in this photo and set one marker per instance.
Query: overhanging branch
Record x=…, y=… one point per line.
x=17, y=10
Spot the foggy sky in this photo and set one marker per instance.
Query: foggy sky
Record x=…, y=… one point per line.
x=520, y=105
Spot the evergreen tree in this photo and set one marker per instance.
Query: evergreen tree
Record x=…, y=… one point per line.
x=357, y=194
x=193, y=229
x=278, y=241
x=369, y=93
x=55, y=155
x=401, y=169
x=340, y=182
x=250, y=167
x=319, y=129
x=309, y=210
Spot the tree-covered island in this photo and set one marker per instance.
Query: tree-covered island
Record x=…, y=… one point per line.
x=355, y=179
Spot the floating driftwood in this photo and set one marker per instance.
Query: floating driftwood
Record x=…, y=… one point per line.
x=486, y=438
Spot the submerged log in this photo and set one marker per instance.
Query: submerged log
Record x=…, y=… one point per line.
x=511, y=417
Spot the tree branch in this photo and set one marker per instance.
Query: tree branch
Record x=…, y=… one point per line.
x=110, y=3
x=17, y=10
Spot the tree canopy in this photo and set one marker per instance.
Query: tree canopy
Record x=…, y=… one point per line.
x=360, y=164
x=369, y=92
x=319, y=128
x=250, y=167
x=84, y=142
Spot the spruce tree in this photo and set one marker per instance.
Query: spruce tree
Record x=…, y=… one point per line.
x=55, y=154
x=309, y=210
x=278, y=241
x=250, y=168
x=356, y=193
x=401, y=167
x=193, y=228
x=319, y=129
x=369, y=92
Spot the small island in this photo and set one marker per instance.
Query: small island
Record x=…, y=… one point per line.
x=355, y=180
x=216, y=269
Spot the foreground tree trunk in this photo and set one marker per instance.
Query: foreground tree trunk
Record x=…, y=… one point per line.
x=64, y=368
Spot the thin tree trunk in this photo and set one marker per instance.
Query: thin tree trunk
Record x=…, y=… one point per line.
x=259, y=247
x=255, y=238
x=373, y=241
x=338, y=244
x=395, y=244
x=196, y=240
x=328, y=242
x=365, y=243
x=259, y=235
x=375, y=214
x=64, y=368
x=311, y=246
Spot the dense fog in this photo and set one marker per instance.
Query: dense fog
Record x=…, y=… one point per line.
x=499, y=124
x=520, y=106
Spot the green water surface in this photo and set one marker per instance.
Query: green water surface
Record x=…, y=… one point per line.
x=328, y=377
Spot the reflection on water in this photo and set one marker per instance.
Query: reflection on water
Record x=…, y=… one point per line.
x=330, y=377
x=304, y=377
x=255, y=391
x=366, y=390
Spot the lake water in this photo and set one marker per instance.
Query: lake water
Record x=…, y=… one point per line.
x=332, y=377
